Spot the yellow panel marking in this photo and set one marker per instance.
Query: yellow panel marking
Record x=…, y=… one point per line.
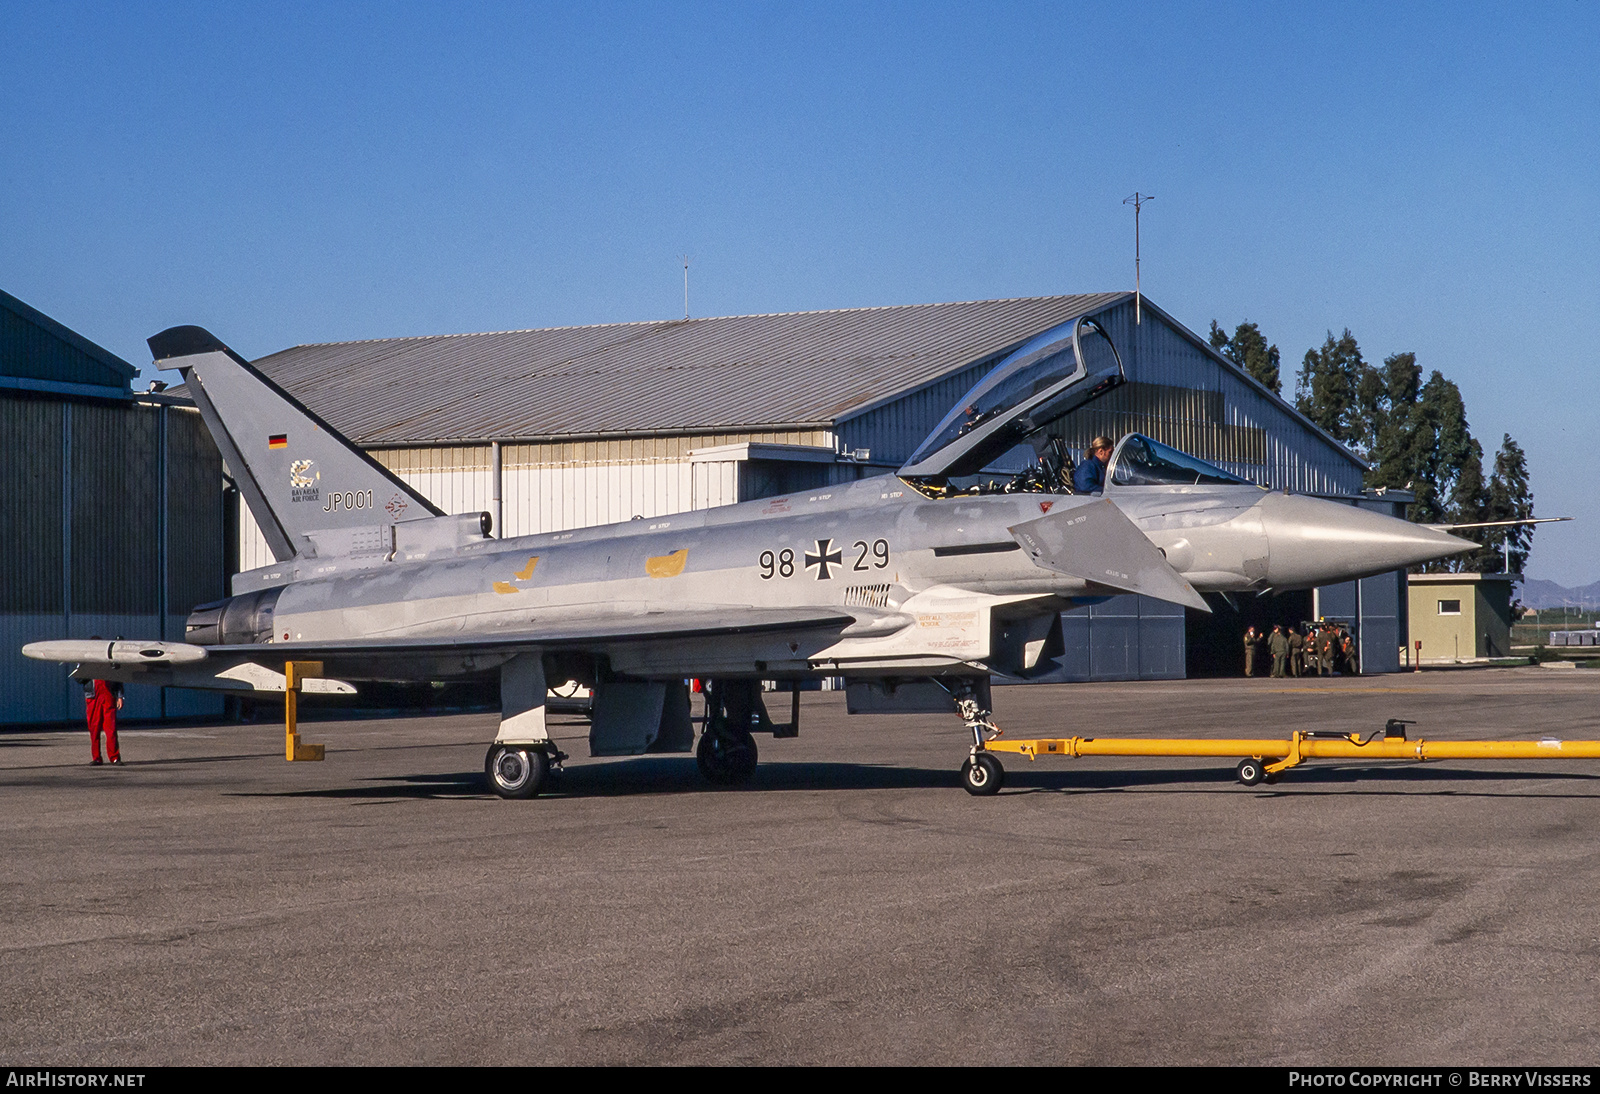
x=667, y=565
x=503, y=587
x=527, y=571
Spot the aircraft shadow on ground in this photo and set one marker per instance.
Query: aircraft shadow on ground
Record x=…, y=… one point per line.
x=1409, y=781
x=9, y=741
x=674, y=775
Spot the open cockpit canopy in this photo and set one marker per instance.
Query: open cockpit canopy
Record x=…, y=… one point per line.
x=1049, y=376
x=1140, y=461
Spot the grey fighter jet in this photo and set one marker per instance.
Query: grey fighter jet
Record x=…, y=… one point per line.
x=913, y=587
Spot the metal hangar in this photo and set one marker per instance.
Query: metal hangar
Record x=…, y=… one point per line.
x=111, y=517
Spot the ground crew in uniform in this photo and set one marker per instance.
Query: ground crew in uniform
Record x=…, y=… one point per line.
x=103, y=699
x=1347, y=650
x=1297, y=651
x=1278, y=646
x=1251, y=641
x=1325, y=649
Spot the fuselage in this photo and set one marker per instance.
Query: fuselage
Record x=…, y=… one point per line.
x=925, y=579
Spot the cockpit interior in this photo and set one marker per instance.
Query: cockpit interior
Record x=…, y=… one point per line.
x=1142, y=461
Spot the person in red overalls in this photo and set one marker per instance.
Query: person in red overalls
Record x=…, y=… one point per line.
x=103, y=700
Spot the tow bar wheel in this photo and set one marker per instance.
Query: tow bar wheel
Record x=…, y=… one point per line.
x=1252, y=772
x=982, y=775
x=516, y=771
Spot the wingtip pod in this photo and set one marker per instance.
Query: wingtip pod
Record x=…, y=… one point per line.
x=1097, y=543
x=94, y=652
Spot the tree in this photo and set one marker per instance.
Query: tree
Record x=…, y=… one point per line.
x=1327, y=385
x=1510, y=497
x=1249, y=350
x=1394, y=448
x=1416, y=437
x=1445, y=462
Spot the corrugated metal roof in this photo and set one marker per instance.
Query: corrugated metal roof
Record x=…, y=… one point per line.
x=699, y=375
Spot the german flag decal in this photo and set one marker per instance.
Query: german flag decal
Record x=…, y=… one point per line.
x=278, y=440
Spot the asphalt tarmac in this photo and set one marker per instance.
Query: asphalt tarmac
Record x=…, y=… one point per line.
x=209, y=903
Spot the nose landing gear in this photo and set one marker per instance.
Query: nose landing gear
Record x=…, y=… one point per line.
x=982, y=774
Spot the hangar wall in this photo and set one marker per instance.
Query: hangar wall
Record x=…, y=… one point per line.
x=1185, y=394
x=111, y=515
x=112, y=526
x=1124, y=638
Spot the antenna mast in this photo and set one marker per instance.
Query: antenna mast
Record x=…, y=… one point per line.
x=1137, y=201
x=685, y=260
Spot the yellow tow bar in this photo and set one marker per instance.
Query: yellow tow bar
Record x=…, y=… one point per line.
x=1265, y=758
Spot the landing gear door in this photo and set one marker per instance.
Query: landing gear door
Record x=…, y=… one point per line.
x=635, y=717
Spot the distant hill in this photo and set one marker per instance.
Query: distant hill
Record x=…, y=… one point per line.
x=1547, y=594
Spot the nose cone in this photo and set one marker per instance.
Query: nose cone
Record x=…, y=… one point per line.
x=1316, y=542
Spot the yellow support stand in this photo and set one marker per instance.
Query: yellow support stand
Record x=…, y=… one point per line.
x=293, y=673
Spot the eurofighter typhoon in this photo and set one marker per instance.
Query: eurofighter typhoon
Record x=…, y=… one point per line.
x=913, y=587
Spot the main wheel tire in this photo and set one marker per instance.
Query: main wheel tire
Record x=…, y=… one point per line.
x=1252, y=772
x=516, y=771
x=982, y=775
x=726, y=755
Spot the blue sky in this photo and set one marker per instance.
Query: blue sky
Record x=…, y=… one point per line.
x=1426, y=175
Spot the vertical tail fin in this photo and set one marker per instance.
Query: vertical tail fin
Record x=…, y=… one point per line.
x=296, y=472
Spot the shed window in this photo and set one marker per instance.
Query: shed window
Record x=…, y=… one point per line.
x=1449, y=607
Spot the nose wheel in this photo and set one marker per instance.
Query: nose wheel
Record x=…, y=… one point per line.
x=982, y=775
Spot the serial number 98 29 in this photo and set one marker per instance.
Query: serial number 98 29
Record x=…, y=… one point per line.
x=824, y=559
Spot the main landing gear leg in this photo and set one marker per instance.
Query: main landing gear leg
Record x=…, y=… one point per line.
x=520, y=762
x=727, y=750
x=982, y=774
